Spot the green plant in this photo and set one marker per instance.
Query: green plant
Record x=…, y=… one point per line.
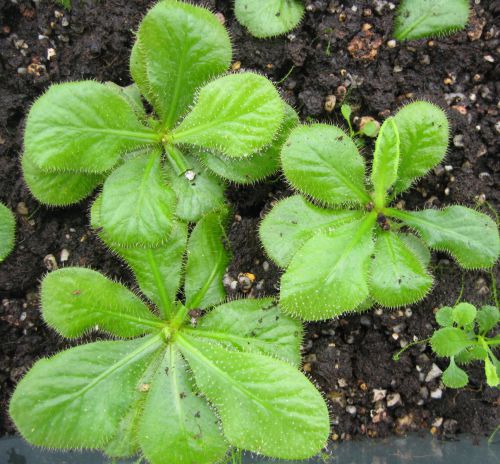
x=182, y=381
x=268, y=18
x=168, y=163
x=7, y=231
x=463, y=337
x=417, y=19
x=355, y=249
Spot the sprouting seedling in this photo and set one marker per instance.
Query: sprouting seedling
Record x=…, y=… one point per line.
x=268, y=18
x=168, y=163
x=7, y=231
x=418, y=19
x=464, y=338
x=369, y=129
x=348, y=248
x=183, y=380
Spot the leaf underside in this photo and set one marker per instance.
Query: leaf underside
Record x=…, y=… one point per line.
x=7, y=231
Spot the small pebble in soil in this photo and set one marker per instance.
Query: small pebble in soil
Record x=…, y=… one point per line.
x=351, y=410
x=64, y=255
x=458, y=141
x=393, y=399
x=50, y=262
x=378, y=394
x=330, y=102
x=434, y=373
x=245, y=281
x=437, y=394
x=342, y=382
x=22, y=209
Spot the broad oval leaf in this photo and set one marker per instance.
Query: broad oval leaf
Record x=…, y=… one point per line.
x=77, y=300
x=84, y=127
x=423, y=140
x=487, y=318
x=77, y=398
x=449, y=341
x=464, y=314
x=323, y=162
x=177, y=425
x=454, y=377
x=7, y=231
x=329, y=274
x=266, y=406
x=397, y=275
x=267, y=18
x=137, y=205
x=237, y=115
x=292, y=222
x=469, y=236
x=179, y=47
x=444, y=316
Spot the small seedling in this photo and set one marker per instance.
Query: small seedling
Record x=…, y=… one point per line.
x=417, y=19
x=268, y=18
x=169, y=163
x=351, y=248
x=7, y=231
x=182, y=381
x=463, y=337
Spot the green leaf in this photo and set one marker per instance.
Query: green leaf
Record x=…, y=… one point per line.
x=487, y=318
x=57, y=188
x=470, y=354
x=266, y=406
x=423, y=137
x=385, y=161
x=77, y=300
x=417, y=19
x=469, y=236
x=132, y=94
x=491, y=372
x=454, y=377
x=323, y=162
x=292, y=222
x=196, y=197
x=177, y=425
x=397, y=276
x=255, y=167
x=464, y=314
x=82, y=126
x=268, y=18
x=449, y=341
x=346, y=111
x=444, y=316
x=137, y=206
x=7, y=231
x=255, y=326
x=329, y=274
x=179, y=47
x=206, y=262
x=78, y=397
x=237, y=115
x=419, y=248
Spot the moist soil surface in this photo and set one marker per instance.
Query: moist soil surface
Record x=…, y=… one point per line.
x=342, y=49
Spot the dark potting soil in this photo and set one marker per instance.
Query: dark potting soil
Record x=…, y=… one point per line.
x=342, y=49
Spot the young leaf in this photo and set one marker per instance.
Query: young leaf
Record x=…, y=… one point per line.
x=323, y=162
x=7, y=231
x=82, y=126
x=463, y=314
x=470, y=354
x=132, y=94
x=137, y=205
x=329, y=274
x=444, y=316
x=254, y=326
x=267, y=18
x=206, y=263
x=177, y=425
x=385, y=161
x=430, y=18
x=487, y=318
x=292, y=222
x=237, y=115
x=449, y=341
x=471, y=237
x=266, y=406
x=78, y=397
x=76, y=300
x=423, y=136
x=454, y=377
x=397, y=276
x=491, y=370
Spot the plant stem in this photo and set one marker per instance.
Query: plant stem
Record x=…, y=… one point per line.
x=177, y=159
x=416, y=342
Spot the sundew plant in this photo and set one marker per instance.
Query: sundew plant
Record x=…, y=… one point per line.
x=154, y=166
x=183, y=379
x=343, y=244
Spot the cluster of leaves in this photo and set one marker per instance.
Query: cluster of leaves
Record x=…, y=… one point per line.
x=155, y=167
x=464, y=338
x=354, y=249
x=417, y=19
x=268, y=18
x=7, y=231
x=182, y=381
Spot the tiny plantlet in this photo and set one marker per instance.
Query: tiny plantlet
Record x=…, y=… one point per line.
x=268, y=18
x=342, y=244
x=465, y=337
x=417, y=19
x=206, y=126
x=182, y=381
x=7, y=231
